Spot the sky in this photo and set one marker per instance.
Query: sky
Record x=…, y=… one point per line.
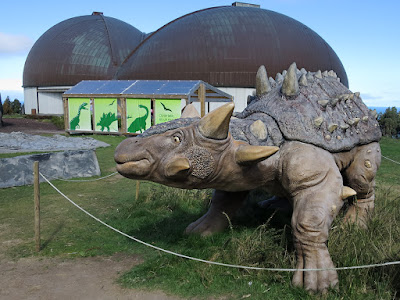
x=364, y=34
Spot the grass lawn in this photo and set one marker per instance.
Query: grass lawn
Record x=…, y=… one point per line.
x=161, y=214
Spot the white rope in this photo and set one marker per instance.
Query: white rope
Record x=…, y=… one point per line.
x=207, y=261
x=396, y=162
x=71, y=180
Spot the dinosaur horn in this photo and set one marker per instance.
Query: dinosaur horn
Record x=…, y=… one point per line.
x=290, y=86
x=176, y=165
x=215, y=125
x=262, y=83
x=348, y=192
x=190, y=112
x=253, y=154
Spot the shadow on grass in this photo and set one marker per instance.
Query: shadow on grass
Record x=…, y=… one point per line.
x=52, y=236
x=170, y=229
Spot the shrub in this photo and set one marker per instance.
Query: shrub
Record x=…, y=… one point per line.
x=58, y=121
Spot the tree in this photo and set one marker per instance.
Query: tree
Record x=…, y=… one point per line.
x=7, y=108
x=16, y=106
x=389, y=122
x=1, y=112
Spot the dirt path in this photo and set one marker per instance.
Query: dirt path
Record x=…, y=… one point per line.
x=29, y=126
x=82, y=278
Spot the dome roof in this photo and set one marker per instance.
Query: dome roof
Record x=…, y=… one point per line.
x=224, y=46
x=86, y=47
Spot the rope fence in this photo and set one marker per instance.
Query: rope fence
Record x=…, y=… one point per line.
x=396, y=162
x=89, y=180
x=207, y=261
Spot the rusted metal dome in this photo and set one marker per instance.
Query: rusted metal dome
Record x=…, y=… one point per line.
x=85, y=47
x=224, y=46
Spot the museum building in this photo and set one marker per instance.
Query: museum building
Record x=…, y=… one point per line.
x=223, y=46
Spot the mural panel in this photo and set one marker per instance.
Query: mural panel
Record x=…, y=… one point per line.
x=167, y=110
x=106, y=112
x=79, y=114
x=138, y=115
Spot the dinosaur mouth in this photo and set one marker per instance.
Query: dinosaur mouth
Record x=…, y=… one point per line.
x=134, y=169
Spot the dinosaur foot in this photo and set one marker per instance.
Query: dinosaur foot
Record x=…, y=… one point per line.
x=360, y=212
x=314, y=256
x=211, y=222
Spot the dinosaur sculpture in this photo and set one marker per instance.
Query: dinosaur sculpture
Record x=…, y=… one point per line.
x=106, y=120
x=74, y=123
x=139, y=124
x=304, y=137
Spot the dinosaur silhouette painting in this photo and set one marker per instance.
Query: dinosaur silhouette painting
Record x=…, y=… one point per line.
x=74, y=123
x=165, y=108
x=106, y=120
x=139, y=124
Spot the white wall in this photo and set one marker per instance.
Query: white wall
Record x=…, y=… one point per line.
x=30, y=99
x=239, y=97
x=50, y=103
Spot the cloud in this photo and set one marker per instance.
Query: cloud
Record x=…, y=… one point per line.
x=11, y=84
x=13, y=43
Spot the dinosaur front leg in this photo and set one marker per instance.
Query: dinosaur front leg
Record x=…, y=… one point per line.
x=314, y=182
x=311, y=221
x=360, y=176
x=215, y=220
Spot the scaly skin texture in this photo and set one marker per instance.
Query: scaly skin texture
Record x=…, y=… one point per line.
x=203, y=154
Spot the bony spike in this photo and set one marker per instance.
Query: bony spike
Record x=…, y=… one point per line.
x=253, y=154
x=348, y=192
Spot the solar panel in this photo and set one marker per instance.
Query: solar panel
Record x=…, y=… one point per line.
x=86, y=87
x=152, y=88
x=178, y=87
x=114, y=87
x=145, y=87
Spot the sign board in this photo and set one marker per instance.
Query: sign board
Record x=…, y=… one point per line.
x=138, y=115
x=79, y=114
x=167, y=110
x=106, y=114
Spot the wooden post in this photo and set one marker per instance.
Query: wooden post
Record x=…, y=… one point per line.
x=153, y=106
x=123, y=116
x=137, y=189
x=93, y=115
x=202, y=99
x=66, y=115
x=36, y=191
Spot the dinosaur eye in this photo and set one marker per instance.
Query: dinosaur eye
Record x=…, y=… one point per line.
x=177, y=139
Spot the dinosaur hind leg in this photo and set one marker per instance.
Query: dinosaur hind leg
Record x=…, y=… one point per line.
x=360, y=176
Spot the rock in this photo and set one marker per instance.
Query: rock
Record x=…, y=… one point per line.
x=17, y=171
x=23, y=142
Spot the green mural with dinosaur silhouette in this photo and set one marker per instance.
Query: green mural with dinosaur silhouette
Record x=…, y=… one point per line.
x=106, y=112
x=138, y=115
x=79, y=114
x=167, y=110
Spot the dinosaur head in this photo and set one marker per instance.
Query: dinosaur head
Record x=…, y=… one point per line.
x=83, y=106
x=200, y=155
